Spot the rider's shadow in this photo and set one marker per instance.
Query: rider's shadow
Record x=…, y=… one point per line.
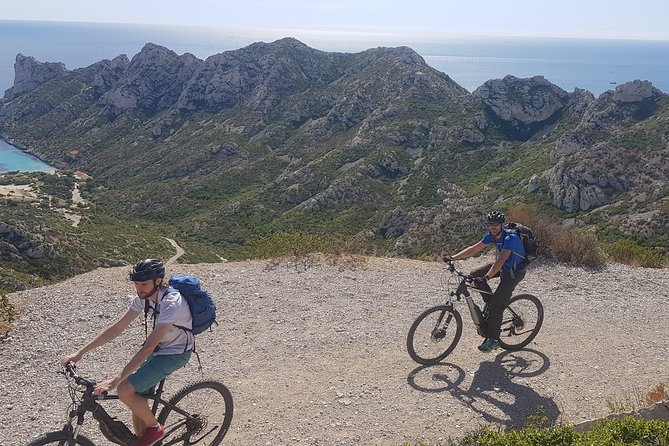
x=492, y=391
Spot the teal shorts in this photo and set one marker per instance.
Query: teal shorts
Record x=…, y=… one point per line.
x=154, y=370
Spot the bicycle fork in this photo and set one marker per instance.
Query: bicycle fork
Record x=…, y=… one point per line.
x=72, y=429
x=439, y=330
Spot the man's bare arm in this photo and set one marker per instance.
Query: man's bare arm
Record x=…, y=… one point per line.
x=147, y=349
x=102, y=338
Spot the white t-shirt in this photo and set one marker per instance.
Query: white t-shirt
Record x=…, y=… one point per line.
x=171, y=308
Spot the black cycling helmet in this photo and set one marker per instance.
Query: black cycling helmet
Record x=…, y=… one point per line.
x=148, y=269
x=495, y=217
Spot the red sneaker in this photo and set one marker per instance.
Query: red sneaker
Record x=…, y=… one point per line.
x=152, y=435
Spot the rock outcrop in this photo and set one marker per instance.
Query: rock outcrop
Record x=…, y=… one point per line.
x=589, y=167
x=522, y=106
x=153, y=81
x=341, y=193
x=106, y=73
x=29, y=74
x=16, y=245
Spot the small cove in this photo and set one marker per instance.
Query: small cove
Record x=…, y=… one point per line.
x=12, y=159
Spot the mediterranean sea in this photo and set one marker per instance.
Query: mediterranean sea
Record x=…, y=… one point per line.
x=12, y=158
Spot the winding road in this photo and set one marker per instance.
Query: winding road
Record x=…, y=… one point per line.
x=179, y=253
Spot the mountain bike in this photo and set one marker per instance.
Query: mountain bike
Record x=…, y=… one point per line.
x=200, y=413
x=436, y=331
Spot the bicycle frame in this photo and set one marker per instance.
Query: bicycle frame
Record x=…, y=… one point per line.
x=113, y=429
x=463, y=291
x=474, y=309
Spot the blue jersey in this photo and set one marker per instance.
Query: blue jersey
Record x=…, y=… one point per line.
x=511, y=241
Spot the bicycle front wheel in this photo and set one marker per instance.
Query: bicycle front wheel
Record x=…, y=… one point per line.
x=208, y=408
x=434, y=334
x=60, y=438
x=521, y=321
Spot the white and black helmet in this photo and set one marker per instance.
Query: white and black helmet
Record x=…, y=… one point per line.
x=495, y=217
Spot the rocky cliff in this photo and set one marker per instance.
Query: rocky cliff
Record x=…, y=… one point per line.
x=609, y=151
x=30, y=74
x=522, y=106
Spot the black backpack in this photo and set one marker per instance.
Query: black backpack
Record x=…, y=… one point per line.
x=527, y=237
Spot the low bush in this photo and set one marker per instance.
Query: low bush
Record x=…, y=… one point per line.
x=574, y=246
x=7, y=313
x=624, y=431
x=303, y=251
x=629, y=252
x=295, y=244
x=656, y=394
x=637, y=399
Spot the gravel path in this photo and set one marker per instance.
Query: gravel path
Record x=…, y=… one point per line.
x=318, y=357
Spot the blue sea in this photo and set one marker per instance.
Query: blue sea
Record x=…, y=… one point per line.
x=12, y=159
x=594, y=65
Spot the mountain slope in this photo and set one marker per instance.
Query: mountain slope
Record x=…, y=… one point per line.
x=374, y=145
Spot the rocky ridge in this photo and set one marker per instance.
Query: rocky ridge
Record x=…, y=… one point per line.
x=317, y=132
x=588, y=171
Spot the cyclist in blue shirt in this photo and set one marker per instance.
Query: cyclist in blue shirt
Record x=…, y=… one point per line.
x=509, y=267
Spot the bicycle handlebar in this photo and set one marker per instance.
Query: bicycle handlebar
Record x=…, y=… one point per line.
x=451, y=268
x=70, y=372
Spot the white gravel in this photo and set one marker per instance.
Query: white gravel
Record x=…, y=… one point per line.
x=319, y=356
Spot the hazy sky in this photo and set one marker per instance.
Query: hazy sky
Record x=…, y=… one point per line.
x=626, y=19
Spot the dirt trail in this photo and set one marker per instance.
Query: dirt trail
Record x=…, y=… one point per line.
x=318, y=357
x=176, y=256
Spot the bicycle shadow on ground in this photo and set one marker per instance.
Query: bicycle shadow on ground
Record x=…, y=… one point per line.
x=491, y=392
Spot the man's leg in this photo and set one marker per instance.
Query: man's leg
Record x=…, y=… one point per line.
x=143, y=381
x=138, y=405
x=499, y=300
x=138, y=425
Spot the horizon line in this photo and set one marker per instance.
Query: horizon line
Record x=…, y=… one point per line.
x=395, y=32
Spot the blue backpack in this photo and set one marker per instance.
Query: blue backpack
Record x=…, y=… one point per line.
x=201, y=304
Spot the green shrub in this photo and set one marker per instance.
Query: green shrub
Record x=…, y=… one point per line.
x=624, y=431
x=561, y=436
x=628, y=431
x=7, y=314
x=304, y=250
x=628, y=251
x=296, y=244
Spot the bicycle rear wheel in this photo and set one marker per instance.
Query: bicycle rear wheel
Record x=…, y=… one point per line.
x=521, y=321
x=209, y=408
x=434, y=334
x=60, y=438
